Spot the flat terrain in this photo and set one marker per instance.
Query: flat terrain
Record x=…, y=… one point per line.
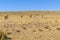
x=31, y=25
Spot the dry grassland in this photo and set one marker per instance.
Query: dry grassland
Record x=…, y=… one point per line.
x=33, y=25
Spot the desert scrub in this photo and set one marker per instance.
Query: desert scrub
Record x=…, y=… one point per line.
x=3, y=36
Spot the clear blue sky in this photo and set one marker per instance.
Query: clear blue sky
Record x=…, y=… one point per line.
x=18, y=5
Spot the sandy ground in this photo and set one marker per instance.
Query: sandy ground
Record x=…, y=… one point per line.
x=38, y=25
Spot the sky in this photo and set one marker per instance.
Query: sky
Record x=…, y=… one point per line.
x=24, y=5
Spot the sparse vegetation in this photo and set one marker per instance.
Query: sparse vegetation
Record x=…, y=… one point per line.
x=30, y=26
x=3, y=36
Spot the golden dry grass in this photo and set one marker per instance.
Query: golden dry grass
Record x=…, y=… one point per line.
x=33, y=25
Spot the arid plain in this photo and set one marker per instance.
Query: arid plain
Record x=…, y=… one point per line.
x=31, y=25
